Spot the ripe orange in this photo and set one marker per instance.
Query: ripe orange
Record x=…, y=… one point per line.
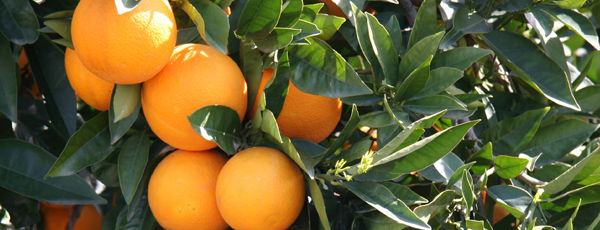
x=260, y=188
x=333, y=9
x=308, y=116
x=124, y=48
x=181, y=191
x=95, y=91
x=56, y=217
x=196, y=76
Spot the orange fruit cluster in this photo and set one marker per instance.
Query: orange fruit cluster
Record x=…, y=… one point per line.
x=56, y=217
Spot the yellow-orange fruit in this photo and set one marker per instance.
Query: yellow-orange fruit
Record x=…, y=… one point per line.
x=125, y=48
x=56, y=217
x=93, y=90
x=196, y=76
x=260, y=188
x=333, y=9
x=308, y=116
x=181, y=191
x=266, y=76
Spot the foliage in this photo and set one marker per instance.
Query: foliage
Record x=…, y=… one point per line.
x=457, y=114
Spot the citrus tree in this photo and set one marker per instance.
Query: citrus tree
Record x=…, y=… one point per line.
x=292, y=114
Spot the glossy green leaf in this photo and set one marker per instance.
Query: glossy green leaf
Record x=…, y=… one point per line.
x=308, y=29
x=319, y=202
x=425, y=22
x=355, y=151
x=28, y=179
x=445, y=170
x=319, y=69
x=118, y=129
x=276, y=91
x=415, y=82
x=509, y=167
x=89, y=145
x=142, y=219
x=132, y=162
x=303, y=160
x=19, y=22
x=47, y=65
x=561, y=182
x=483, y=159
x=258, y=19
x=363, y=36
x=328, y=24
x=277, y=39
x=8, y=81
x=61, y=26
x=569, y=4
x=514, y=199
x=349, y=128
x=440, y=79
x=570, y=199
x=569, y=224
x=467, y=189
x=378, y=119
x=384, y=49
x=418, y=53
x=292, y=9
x=126, y=98
x=465, y=22
x=544, y=73
x=382, y=199
x=404, y=193
x=124, y=6
x=437, y=205
x=460, y=57
x=219, y=124
x=509, y=135
x=434, y=104
x=458, y=175
x=576, y=22
x=543, y=24
x=393, y=27
x=216, y=24
x=475, y=224
x=269, y=125
x=556, y=140
x=310, y=11
x=588, y=98
x=252, y=68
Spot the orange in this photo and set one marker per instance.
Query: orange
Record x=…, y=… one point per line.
x=95, y=91
x=260, y=188
x=125, y=48
x=308, y=116
x=333, y=9
x=22, y=61
x=181, y=191
x=266, y=76
x=196, y=76
x=56, y=217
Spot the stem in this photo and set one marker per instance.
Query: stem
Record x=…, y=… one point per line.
x=390, y=112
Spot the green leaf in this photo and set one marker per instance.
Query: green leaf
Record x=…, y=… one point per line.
x=393, y=27
x=61, y=26
x=404, y=193
x=382, y=199
x=292, y=9
x=483, y=157
x=544, y=73
x=89, y=145
x=418, y=53
x=258, y=19
x=118, y=129
x=124, y=6
x=475, y=224
x=415, y=82
x=132, y=162
x=310, y=11
x=363, y=36
x=319, y=69
x=308, y=30
x=440, y=79
x=378, y=119
x=569, y=224
x=349, y=128
x=570, y=199
x=467, y=189
x=356, y=150
x=28, y=180
x=319, y=202
x=398, y=140
x=126, y=98
x=23, y=211
x=47, y=65
x=421, y=154
x=19, y=22
x=142, y=219
x=509, y=167
x=219, y=124
x=269, y=125
x=514, y=199
x=384, y=49
x=328, y=24
x=278, y=39
x=437, y=205
x=434, y=104
x=465, y=22
x=445, y=170
x=302, y=159
x=252, y=68
x=509, y=135
x=556, y=140
x=569, y=4
x=216, y=24
x=576, y=22
x=460, y=57
x=587, y=98
x=276, y=91
x=458, y=174
x=425, y=22
x=561, y=182
x=8, y=81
